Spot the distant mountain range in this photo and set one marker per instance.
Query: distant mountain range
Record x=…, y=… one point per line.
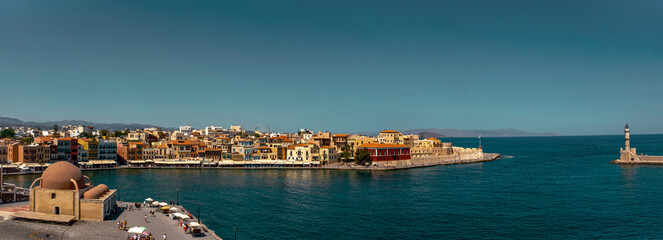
x=13, y=122
x=452, y=132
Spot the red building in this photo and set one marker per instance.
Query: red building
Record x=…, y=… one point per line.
x=386, y=151
x=67, y=149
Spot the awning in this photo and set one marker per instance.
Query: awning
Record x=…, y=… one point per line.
x=137, y=230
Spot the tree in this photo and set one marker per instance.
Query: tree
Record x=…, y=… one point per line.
x=7, y=133
x=27, y=140
x=161, y=134
x=256, y=135
x=362, y=157
x=86, y=135
x=126, y=132
x=117, y=134
x=55, y=127
x=104, y=133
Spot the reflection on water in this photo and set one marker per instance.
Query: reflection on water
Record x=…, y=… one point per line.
x=554, y=188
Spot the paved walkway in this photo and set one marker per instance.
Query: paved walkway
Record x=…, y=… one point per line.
x=157, y=225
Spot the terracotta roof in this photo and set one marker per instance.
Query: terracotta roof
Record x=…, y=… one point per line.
x=389, y=131
x=44, y=139
x=213, y=149
x=291, y=147
x=264, y=147
x=181, y=142
x=382, y=145
x=341, y=135
x=431, y=138
x=222, y=138
x=327, y=147
x=66, y=139
x=162, y=146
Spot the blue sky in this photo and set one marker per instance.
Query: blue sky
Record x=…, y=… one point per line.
x=574, y=67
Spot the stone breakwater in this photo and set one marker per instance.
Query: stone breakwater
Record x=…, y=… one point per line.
x=641, y=159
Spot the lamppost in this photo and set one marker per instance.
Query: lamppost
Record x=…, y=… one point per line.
x=178, y=196
x=119, y=193
x=235, y=233
x=199, y=214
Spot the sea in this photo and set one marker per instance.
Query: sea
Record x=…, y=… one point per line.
x=546, y=188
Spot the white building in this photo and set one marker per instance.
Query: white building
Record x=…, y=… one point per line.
x=107, y=150
x=185, y=129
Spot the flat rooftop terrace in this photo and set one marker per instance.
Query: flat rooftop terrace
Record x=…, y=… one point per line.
x=157, y=225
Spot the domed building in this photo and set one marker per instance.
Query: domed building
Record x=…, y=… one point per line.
x=63, y=192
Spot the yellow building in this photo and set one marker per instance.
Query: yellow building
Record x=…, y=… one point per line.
x=92, y=147
x=356, y=140
x=64, y=195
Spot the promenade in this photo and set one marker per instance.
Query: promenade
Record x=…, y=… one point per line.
x=157, y=225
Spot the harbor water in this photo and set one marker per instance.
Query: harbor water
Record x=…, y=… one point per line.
x=552, y=187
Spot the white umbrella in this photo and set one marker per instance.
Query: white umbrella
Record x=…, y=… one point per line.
x=163, y=204
x=149, y=199
x=137, y=230
x=173, y=209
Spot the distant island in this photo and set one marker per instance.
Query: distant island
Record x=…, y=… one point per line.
x=14, y=122
x=452, y=132
x=423, y=133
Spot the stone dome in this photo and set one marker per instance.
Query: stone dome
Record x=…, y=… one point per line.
x=57, y=176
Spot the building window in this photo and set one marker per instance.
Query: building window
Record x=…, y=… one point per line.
x=52, y=195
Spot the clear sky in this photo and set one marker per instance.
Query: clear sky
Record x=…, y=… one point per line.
x=574, y=67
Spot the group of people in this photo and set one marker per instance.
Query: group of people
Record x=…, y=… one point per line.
x=146, y=237
x=122, y=225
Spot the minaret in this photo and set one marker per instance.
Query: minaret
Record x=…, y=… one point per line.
x=627, y=138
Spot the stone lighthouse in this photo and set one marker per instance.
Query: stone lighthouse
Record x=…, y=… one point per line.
x=627, y=153
x=627, y=138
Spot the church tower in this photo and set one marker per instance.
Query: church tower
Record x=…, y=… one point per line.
x=627, y=138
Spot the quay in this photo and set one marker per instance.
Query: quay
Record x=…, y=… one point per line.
x=417, y=162
x=157, y=225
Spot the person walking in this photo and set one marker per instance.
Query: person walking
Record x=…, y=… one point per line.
x=118, y=226
x=165, y=237
x=145, y=218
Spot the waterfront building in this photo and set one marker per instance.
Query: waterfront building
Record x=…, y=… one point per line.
x=329, y=155
x=150, y=153
x=243, y=150
x=427, y=147
x=107, y=150
x=64, y=194
x=356, y=140
x=82, y=154
x=130, y=151
x=387, y=154
x=340, y=140
x=164, y=152
x=395, y=137
x=182, y=149
x=3, y=154
x=222, y=143
x=302, y=152
x=34, y=153
x=12, y=152
x=264, y=153
x=91, y=146
x=67, y=149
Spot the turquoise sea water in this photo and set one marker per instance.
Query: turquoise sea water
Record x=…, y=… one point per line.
x=553, y=187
